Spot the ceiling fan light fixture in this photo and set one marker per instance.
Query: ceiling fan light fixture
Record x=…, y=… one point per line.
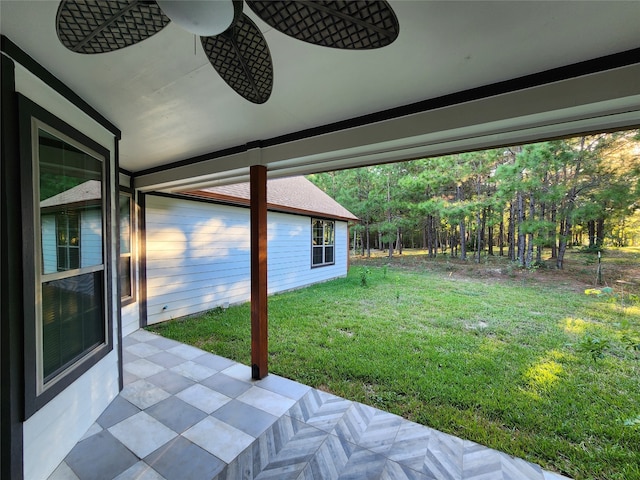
x=202, y=17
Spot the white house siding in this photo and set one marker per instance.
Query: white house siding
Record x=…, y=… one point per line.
x=51, y=432
x=198, y=256
x=130, y=314
x=289, y=253
x=48, y=232
x=90, y=237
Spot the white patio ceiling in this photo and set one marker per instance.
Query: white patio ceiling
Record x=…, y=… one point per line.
x=171, y=105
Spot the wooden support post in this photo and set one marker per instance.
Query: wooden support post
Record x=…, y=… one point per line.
x=259, y=324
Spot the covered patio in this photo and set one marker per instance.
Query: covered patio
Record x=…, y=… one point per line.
x=187, y=414
x=156, y=119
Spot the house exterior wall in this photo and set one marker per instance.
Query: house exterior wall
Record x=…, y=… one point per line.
x=130, y=312
x=48, y=233
x=51, y=432
x=90, y=237
x=197, y=255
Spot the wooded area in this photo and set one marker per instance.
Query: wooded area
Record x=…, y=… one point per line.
x=515, y=201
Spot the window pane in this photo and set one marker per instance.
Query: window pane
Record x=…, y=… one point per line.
x=125, y=276
x=328, y=233
x=70, y=193
x=125, y=224
x=328, y=254
x=317, y=232
x=317, y=256
x=72, y=320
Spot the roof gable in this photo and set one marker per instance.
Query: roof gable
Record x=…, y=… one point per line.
x=291, y=194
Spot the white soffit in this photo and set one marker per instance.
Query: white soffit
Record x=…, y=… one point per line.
x=171, y=105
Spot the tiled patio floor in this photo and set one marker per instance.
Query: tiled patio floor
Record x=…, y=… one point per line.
x=187, y=414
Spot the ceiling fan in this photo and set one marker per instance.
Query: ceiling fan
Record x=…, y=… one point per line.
x=232, y=42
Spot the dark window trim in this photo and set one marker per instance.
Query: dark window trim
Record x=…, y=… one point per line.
x=142, y=257
x=24, y=59
x=324, y=263
x=124, y=301
x=11, y=306
x=32, y=401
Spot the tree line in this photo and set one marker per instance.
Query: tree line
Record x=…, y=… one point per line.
x=517, y=201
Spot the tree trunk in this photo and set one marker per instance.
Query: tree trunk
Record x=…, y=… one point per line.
x=532, y=211
x=521, y=235
x=489, y=233
x=478, y=236
x=368, y=232
x=600, y=232
x=399, y=241
x=552, y=232
x=511, y=235
x=591, y=229
x=501, y=238
x=565, y=234
x=463, y=232
x=541, y=234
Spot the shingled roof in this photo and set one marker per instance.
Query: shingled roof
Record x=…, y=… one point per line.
x=291, y=194
x=89, y=191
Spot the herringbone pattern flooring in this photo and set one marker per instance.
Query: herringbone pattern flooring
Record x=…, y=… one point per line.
x=186, y=414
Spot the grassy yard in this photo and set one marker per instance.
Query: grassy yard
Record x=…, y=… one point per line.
x=536, y=369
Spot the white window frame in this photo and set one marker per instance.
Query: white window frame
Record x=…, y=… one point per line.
x=327, y=242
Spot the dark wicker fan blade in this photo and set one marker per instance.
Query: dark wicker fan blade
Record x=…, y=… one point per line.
x=241, y=57
x=352, y=25
x=94, y=26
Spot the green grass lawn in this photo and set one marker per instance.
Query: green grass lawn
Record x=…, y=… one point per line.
x=505, y=364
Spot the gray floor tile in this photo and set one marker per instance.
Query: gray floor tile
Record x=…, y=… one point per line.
x=330, y=459
x=140, y=471
x=203, y=398
x=63, y=472
x=214, y=361
x=320, y=409
x=142, y=368
x=182, y=460
x=93, y=429
x=270, y=402
x=128, y=341
x=142, y=336
x=163, y=343
x=229, y=386
x=143, y=394
x=117, y=411
x=100, y=456
x=176, y=414
x=194, y=371
x=142, y=434
x=128, y=356
x=244, y=417
x=171, y=382
x=363, y=464
x=185, y=351
x=165, y=359
x=395, y=471
x=239, y=371
x=128, y=378
x=283, y=386
x=142, y=350
x=218, y=438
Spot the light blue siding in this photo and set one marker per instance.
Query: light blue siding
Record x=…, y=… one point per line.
x=198, y=256
x=90, y=237
x=48, y=232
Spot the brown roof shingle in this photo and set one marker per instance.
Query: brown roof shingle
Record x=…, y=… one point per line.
x=296, y=194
